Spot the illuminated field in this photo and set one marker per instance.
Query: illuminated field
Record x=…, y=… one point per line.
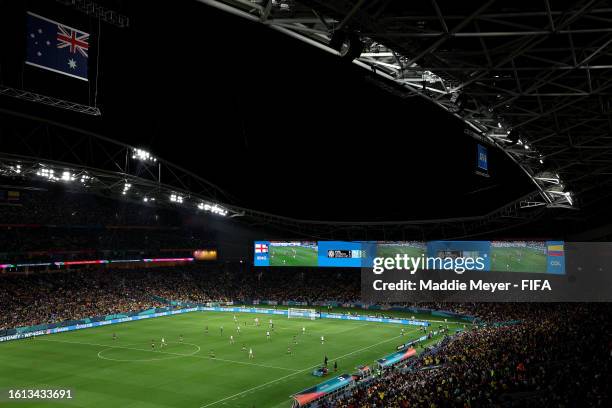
x=127, y=372
x=293, y=256
x=518, y=260
x=389, y=251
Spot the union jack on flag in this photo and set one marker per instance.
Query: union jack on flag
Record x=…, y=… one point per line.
x=56, y=47
x=76, y=40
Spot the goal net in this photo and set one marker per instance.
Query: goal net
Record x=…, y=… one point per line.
x=293, y=313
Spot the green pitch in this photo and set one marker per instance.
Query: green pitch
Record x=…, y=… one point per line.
x=518, y=260
x=128, y=372
x=293, y=256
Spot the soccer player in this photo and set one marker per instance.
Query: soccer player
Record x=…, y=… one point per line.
x=294, y=339
x=335, y=366
x=181, y=338
x=211, y=353
x=288, y=349
x=221, y=330
x=402, y=332
x=163, y=342
x=325, y=361
x=235, y=319
x=152, y=344
x=303, y=330
x=206, y=330
x=268, y=335
x=231, y=339
x=114, y=336
x=238, y=329
x=243, y=347
x=251, y=356
x=270, y=324
x=322, y=339
x=257, y=321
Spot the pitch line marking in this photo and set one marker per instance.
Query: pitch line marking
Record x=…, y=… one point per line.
x=107, y=347
x=292, y=374
x=172, y=355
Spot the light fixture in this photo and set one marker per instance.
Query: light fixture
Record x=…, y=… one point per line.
x=143, y=155
x=213, y=208
x=67, y=176
x=44, y=172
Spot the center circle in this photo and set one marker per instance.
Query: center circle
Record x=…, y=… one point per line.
x=139, y=352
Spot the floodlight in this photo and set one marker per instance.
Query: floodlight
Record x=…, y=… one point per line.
x=46, y=173
x=176, y=198
x=67, y=176
x=213, y=208
x=143, y=155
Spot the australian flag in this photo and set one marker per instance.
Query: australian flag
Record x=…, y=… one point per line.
x=56, y=47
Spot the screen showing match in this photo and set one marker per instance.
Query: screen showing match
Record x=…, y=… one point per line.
x=498, y=256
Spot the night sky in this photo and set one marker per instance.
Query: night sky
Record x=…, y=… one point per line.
x=281, y=126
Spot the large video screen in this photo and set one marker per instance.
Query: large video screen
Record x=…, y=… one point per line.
x=498, y=256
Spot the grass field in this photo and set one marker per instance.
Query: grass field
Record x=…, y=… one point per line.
x=293, y=256
x=127, y=372
x=518, y=260
x=388, y=251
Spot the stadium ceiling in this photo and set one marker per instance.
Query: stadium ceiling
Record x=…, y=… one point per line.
x=532, y=78
x=83, y=161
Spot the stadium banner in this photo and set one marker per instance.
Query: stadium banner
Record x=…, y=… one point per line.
x=374, y=319
x=396, y=358
x=323, y=390
x=482, y=162
x=27, y=332
x=80, y=326
x=346, y=254
x=491, y=256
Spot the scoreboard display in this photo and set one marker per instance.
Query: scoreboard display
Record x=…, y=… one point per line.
x=499, y=256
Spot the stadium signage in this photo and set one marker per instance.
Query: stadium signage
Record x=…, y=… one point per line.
x=413, y=256
x=211, y=309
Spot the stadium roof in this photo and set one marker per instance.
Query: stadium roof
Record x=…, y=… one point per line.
x=285, y=128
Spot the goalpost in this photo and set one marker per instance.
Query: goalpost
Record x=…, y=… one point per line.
x=293, y=313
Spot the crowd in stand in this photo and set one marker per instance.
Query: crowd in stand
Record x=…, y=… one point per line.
x=551, y=355
x=22, y=244
x=42, y=224
x=559, y=355
x=66, y=295
x=62, y=208
x=546, y=355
